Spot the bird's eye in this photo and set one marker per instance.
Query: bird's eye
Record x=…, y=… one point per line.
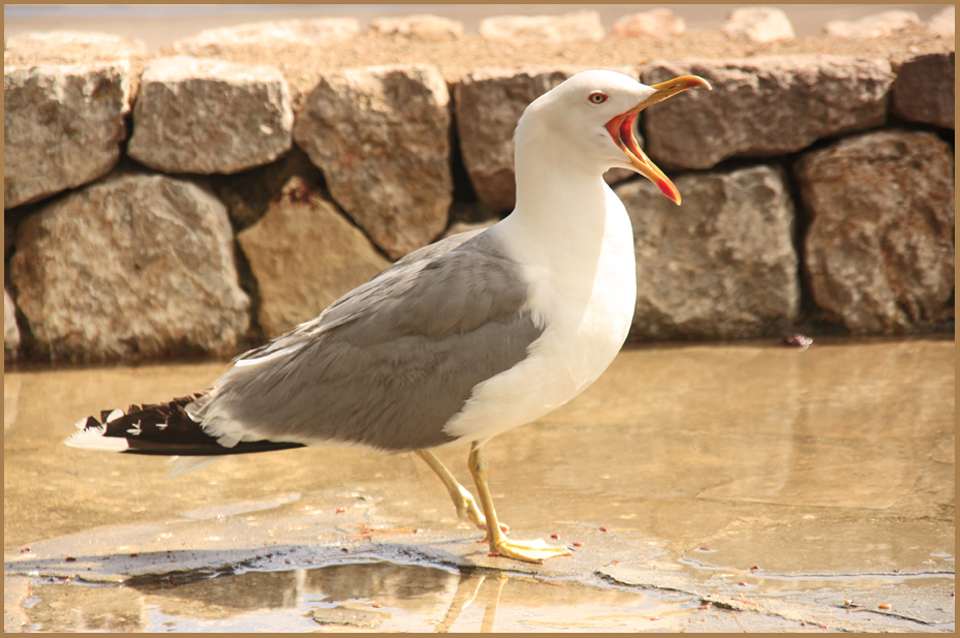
x=597, y=97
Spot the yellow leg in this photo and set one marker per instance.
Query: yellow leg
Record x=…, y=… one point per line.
x=466, y=506
x=530, y=551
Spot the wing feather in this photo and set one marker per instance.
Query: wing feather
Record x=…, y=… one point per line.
x=388, y=364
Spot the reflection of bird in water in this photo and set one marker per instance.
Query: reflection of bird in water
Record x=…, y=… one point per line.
x=467, y=590
x=462, y=339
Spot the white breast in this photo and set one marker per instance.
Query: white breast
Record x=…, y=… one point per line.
x=586, y=304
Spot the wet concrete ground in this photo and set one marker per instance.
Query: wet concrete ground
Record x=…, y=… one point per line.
x=734, y=487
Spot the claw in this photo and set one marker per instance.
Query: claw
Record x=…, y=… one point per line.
x=529, y=551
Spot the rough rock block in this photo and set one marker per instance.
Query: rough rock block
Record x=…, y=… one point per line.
x=11, y=333
x=878, y=25
x=656, y=23
x=489, y=103
x=62, y=126
x=420, y=27
x=209, y=116
x=381, y=136
x=879, y=249
x=576, y=26
x=762, y=107
x=944, y=22
x=81, y=45
x=305, y=255
x=723, y=265
x=924, y=90
x=133, y=266
x=758, y=24
x=283, y=35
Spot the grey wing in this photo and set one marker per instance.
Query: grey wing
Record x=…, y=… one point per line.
x=388, y=364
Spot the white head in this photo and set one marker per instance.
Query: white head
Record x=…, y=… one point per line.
x=590, y=117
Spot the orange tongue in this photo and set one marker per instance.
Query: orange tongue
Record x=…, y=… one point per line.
x=621, y=130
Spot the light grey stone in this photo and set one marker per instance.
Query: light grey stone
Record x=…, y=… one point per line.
x=134, y=266
x=345, y=617
x=758, y=24
x=878, y=25
x=209, y=116
x=62, y=126
x=657, y=23
x=879, y=248
x=280, y=35
x=763, y=106
x=925, y=90
x=305, y=255
x=944, y=22
x=381, y=136
x=722, y=265
x=419, y=27
x=79, y=45
x=576, y=26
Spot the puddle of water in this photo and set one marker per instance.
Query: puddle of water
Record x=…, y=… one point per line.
x=373, y=596
x=809, y=476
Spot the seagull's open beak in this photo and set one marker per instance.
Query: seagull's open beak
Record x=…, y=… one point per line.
x=621, y=130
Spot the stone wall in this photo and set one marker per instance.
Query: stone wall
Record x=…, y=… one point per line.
x=181, y=204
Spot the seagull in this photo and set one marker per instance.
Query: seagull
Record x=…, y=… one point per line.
x=460, y=340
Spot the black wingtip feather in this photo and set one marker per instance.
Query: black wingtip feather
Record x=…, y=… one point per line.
x=166, y=429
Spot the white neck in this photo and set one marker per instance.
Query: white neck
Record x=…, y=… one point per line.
x=572, y=239
x=561, y=210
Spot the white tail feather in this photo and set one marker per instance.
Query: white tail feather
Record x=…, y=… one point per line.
x=93, y=439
